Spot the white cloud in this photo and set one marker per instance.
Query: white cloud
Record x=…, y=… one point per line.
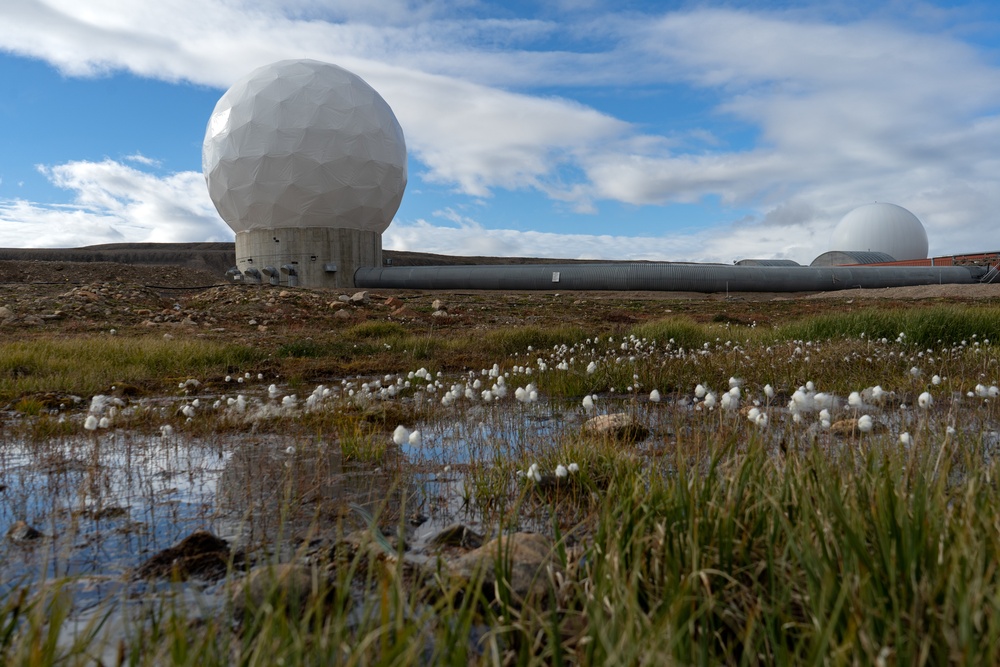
x=139, y=158
x=114, y=203
x=841, y=111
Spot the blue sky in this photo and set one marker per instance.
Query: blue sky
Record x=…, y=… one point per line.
x=699, y=131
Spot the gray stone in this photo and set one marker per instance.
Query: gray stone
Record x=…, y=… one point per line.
x=619, y=426
x=359, y=298
x=343, y=314
x=438, y=304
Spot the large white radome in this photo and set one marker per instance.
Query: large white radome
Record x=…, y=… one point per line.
x=302, y=143
x=881, y=227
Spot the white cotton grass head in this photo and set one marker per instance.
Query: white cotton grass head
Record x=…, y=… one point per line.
x=905, y=439
x=588, y=403
x=654, y=396
x=769, y=391
x=573, y=468
x=925, y=400
x=865, y=424
x=561, y=471
x=401, y=435
x=854, y=400
x=90, y=423
x=415, y=438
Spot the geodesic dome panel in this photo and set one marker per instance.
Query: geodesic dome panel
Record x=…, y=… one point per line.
x=884, y=228
x=301, y=143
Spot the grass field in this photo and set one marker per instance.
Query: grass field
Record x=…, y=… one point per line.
x=820, y=489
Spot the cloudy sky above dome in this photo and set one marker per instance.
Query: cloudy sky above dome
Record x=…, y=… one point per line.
x=576, y=128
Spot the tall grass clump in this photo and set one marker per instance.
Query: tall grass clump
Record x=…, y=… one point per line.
x=91, y=364
x=923, y=327
x=516, y=340
x=872, y=556
x=682, y=331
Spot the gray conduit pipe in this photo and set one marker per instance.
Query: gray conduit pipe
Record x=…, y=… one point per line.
x=657, y=276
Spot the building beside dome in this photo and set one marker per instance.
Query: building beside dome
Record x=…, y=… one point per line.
x=307, y=164
x=852, y=258
x=881, y=228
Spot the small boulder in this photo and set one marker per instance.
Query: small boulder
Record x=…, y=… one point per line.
x=343, y=314
x=359, y=298
x=292, y=587
x=200, y=555
x=456, y=535
x=619, y=426
x=343, y=298
x=439, y=313
x=404, y=312
x=394, y=302
x=21, y=533
x=438, y=304
x=847, y=428
x=529, y=555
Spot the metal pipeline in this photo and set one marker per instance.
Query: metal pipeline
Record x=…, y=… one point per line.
x=660, y=276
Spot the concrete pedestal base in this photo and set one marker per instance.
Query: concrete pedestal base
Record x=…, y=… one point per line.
x=309, y=257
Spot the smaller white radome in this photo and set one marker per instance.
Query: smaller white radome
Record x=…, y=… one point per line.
x=881, y=227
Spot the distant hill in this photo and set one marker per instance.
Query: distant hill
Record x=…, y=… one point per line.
x=214, y=258
x=217, y=258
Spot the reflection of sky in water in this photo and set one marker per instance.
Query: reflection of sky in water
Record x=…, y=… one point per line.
x=109, y=503
x=485, y=432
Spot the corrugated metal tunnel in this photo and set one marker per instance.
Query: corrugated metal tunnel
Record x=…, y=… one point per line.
x=657, y=276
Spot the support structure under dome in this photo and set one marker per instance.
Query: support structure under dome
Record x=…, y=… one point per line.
x=308, y=257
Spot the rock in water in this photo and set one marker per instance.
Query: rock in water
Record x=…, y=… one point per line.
x=846, y=428
x=21, y=533
x=620, y=426
x=200, y=555
x=457, y=535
